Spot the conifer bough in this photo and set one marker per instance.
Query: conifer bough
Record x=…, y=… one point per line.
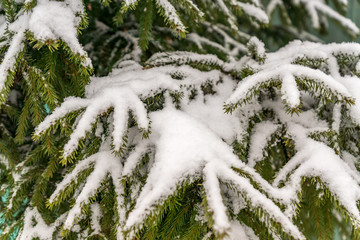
x=170, y=119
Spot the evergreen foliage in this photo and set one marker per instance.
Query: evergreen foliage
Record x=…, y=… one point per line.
x=170, y=119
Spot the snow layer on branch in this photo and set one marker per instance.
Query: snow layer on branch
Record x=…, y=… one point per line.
x=328, y=52
x=316, y=159
x=209, y=111
x=122, y=100
x=195, y=7
x=171, y=14
x=193, y=147
x=353, y=86
x=257, y=199
x=47, y=20
x=200, y=148
x=280, y=66
x=259, y=46
x=4, y=161
x=286, y=73
x=104, y=163
x=196, y=151
x=259, y=139
x=199, y=41
x=251, y=10
x=35, y=227
x=9, y=60
x=289, y=90
x=53, y=20
x=96, y=216
x=134, y=156
x=69, y=178
x=210, y=114
x=123, y=90
x=180, y=57
x=130, y=2
x=141, y=82
x=313, y=159
x=241, y=231
x=57, y=20
x=70, y=104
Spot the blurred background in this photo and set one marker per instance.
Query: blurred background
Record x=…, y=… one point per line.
x=335, y=34
x=281, y=34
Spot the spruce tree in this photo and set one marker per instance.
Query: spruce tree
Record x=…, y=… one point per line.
x=171, y=119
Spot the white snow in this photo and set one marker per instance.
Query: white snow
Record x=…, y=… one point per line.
x=289, y=90
x=96, y=215
x=9, y=59
x=130, y=2
x=193, y=142
x=259, y=139
x=104, y=162
x=41, y=230
x=251, y=10
x=194, y=152
x=259, y=45
x=353, y=84
x=47, y=20
x=241, y=231
x=54, y=20
x=279, y=66
x=315, y=159
x=171, y=14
